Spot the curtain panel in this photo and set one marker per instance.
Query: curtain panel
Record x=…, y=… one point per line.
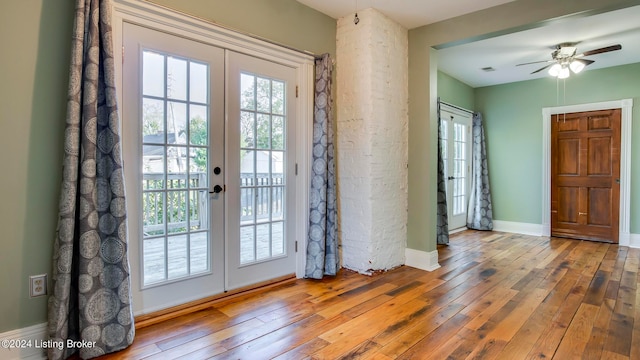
x=479, y=214
x=442, y=222
x=91, y=299
x=322, y=241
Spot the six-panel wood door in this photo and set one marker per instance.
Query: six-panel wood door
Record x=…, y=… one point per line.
x=585, y=175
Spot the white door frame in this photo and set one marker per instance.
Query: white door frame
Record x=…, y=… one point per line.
x=163, y=19
x=626, y=105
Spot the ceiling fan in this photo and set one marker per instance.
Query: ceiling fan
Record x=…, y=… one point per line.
x=564, y=57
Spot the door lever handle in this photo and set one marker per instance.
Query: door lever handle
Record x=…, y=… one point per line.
x=617, y=181
x=216, y=189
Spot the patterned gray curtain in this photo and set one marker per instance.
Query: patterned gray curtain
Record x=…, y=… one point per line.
x=479, y=215
x=322, y=243
x=91, y=301
x=442, y=224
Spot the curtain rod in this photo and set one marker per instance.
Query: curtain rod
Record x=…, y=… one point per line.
x=456, y=107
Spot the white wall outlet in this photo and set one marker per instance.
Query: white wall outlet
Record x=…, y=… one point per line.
x=38, y=285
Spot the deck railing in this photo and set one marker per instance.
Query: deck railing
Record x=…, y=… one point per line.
x=180, y=217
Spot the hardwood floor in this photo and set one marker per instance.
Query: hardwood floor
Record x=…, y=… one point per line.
x=496, y=296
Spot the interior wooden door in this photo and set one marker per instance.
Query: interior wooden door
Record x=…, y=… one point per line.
x=585, y=175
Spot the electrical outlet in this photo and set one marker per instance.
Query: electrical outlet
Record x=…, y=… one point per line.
x=38, y=285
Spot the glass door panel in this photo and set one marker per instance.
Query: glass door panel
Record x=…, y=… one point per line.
x=261, y=109
x=173, y=119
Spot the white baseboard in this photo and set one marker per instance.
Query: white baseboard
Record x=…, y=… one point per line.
x=421, y=259
x=633, y=240
x=31, y=339
x=518, y=227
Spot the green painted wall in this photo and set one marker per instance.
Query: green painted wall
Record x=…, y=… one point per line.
x=35, y=36
x=455, y=92
x=284, y=21
x=513, y=126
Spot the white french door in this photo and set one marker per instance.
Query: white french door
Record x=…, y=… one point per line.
x=456, y=153
x=261, y=170
x=208, y=138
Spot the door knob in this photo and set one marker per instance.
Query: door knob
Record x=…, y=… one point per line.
x=216, y=189
x=617, y=181
x=217, y=170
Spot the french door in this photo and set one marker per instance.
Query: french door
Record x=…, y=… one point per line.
x=456, y=153
x=208, y=168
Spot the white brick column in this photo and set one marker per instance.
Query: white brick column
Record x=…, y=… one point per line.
x=372, y=141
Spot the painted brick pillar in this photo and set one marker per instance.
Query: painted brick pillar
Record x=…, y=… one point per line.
x=372, y=141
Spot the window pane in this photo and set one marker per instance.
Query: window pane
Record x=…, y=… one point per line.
x=199, y=252
x=153, y=166
x=153, y=121
x=198, y=168
x=177, y=256
x=198, y=124
x=198, y=81
x=277, y=238
x=198, y=210
x=176, y=78
x=247, y=245
x=247, y=198
x=277, y=203
x=176, y=212
x=177, y=167
x=247, y=92
x=262, y=204
x=153, y=259
x=277, y=133
x=277, y=168
x=247, y=168
x=152, y=74
x=263, y=87
x=263, y=235
x=176, y=123
x=263, y=130
x=277, y=100
x=152, y=214
x=247, y=129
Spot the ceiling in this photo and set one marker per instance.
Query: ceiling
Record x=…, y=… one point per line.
x=408, y=13
x=502, y=53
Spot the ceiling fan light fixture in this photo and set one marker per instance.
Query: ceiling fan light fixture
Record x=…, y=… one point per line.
x=564, y=72
x=555, y=70
x=577, y=66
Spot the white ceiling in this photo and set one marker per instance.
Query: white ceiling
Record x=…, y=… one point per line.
x=465, y=62
x=408, y=13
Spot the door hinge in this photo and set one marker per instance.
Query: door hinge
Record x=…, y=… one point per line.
x=123, y=54
x=296, y=246
x=296, y=91
x=296, y=168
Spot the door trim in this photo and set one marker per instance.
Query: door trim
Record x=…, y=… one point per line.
x=626, y=106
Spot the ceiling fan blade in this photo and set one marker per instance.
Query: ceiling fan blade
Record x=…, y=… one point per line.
x=536, y=62
x=541, y=69
x=587, y=61
x=601, y=50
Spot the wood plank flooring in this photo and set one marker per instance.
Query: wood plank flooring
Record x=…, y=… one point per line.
x=496, y=296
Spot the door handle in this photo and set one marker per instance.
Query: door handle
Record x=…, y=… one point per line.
x=617, y=181
x=216, y=189
x=450, y=178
